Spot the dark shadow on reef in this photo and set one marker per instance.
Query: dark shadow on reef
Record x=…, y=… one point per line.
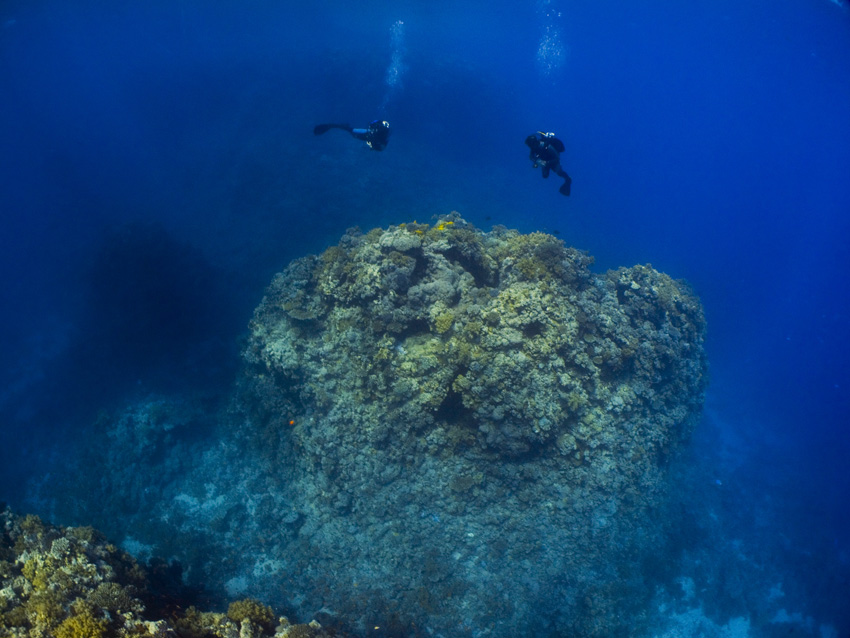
x=154, y=316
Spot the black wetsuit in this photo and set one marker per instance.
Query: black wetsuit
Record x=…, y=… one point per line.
x=546, y=152
x=376, y=136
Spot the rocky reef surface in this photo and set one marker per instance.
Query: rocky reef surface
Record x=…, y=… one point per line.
x=437, y=431
x=480, y=423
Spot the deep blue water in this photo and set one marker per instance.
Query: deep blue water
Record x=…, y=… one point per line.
x=158, y=166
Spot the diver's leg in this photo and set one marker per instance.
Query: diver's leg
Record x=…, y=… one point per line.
x=324, y=128
x=560, y=172
x=565, y=187
x=545, y=172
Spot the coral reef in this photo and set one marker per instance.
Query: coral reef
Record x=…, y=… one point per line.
x=437, y=431
x=489, y=383
x=498, y=342
x=69, y=582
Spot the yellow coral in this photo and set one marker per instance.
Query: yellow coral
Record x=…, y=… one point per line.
x=253, y=610
x=36, y=573
x=575, y=400
x=82, y=625
x=43, y=609
x=443, y=322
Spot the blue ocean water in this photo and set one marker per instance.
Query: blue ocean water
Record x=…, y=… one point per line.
x=158, y=166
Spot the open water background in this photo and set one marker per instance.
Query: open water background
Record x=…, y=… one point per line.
x=157, y=166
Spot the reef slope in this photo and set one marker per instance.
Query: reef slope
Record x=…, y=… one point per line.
x=436, y=431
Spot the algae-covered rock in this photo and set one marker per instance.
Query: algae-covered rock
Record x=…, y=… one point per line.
x=509, y=341
x=474, y=426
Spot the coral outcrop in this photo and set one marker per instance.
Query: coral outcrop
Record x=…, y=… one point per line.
x=466, y=402
x=497, y=343
x=69, y=582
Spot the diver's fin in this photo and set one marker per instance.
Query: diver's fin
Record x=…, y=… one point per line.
x=565, y=187
x=324, y=128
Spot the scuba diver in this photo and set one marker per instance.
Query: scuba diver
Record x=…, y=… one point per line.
x=546, y=151
x=376, y=136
